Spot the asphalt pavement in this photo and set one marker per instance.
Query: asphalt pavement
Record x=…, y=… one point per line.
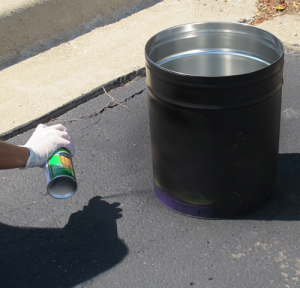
x=115, y=233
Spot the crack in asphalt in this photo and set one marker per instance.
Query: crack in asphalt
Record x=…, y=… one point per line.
x=110, y=105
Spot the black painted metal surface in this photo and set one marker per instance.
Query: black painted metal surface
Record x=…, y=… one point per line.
x=214, y=138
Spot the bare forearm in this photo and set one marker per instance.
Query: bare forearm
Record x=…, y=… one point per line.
x=13, y=156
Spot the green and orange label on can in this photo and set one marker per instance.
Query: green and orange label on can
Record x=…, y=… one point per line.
x=60, y=175
x=61, y=164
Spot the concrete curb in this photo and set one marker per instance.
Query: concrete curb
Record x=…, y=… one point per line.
x=41, y=23
x=72, y=104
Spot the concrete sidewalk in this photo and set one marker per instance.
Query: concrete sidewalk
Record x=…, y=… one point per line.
x=61, y=67
x=36, y=24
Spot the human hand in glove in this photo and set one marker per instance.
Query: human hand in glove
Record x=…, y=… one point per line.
x=45, y=141
x=39, y=148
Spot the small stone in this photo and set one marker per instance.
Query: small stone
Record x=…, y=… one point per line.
x=295, y=34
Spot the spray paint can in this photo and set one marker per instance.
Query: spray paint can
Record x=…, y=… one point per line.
x=60, y=175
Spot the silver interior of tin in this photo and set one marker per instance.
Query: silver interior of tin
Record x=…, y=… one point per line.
x=214, y=49
x=64, y=187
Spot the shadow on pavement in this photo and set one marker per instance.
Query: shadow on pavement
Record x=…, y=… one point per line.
x=285, y=204
x=44, y=258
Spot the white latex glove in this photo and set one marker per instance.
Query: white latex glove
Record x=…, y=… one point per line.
x=45, y=141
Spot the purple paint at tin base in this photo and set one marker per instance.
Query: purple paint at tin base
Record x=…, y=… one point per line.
x=210, y=211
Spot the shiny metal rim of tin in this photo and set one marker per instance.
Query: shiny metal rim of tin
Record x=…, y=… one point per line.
x=213, y=38
x=71, y=193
